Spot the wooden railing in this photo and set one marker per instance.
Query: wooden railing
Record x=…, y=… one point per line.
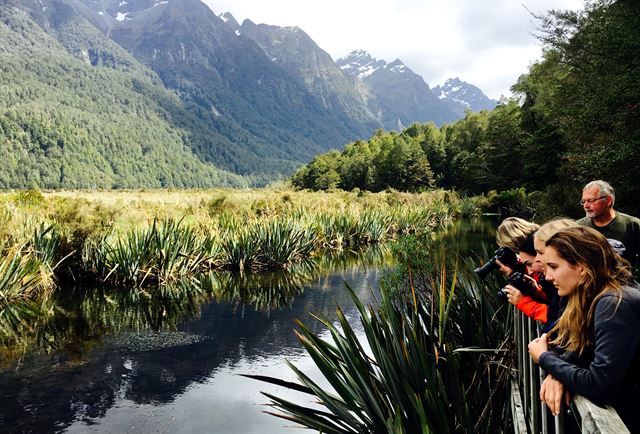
x=530, y=415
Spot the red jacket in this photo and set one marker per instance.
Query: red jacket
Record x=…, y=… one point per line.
x=533, y=308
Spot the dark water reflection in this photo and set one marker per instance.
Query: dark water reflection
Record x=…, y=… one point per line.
x=168, y=362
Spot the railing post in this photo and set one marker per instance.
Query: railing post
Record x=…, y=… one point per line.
x=533, y=380
x=525, y=368
x=544, y=421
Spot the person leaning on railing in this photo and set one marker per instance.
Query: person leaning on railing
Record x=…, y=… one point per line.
x=596, y=349
x=544, y=304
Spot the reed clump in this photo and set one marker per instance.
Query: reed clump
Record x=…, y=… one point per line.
x=27, y=279
x=149, y=238
x=156, y=237
x=435, y=359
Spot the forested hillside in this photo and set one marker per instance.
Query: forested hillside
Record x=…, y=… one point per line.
x=66, y=123
x=576, y=118
x=149, y=93
x=77, y=110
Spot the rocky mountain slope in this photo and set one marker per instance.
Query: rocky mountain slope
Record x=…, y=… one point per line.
x=148, y=93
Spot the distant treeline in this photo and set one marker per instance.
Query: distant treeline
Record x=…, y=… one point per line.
x=576, y=117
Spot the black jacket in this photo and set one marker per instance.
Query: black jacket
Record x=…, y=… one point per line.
x=612, y=374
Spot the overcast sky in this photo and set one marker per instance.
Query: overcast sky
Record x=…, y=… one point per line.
x=488, y=43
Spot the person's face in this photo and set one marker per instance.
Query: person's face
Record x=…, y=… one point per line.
x=565, y=276
x=593, y=202
x=530, y=263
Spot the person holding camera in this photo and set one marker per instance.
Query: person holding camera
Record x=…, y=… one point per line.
x=548, y=311
x=512, y=233
x=528, y=292
x=596, y=346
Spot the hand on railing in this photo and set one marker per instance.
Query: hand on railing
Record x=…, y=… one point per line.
x=551, y=393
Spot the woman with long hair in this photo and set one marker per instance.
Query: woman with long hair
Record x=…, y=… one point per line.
x=596, y=345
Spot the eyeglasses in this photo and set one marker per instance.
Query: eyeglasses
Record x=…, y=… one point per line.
x=593, y=200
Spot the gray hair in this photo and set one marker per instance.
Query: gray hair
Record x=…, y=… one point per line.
x=603, y=187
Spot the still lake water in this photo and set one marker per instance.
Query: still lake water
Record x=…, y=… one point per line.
x=116, y=363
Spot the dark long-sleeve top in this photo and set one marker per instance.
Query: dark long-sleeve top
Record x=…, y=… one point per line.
x=612, y=376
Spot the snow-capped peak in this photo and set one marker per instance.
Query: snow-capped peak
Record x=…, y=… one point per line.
x=464, y=94
x=230, y=21
x=360, y=63
x=396, y=66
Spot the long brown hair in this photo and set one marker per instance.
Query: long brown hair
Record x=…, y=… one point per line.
x=603, y=270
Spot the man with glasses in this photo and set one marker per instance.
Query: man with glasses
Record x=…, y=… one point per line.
x=622, y=230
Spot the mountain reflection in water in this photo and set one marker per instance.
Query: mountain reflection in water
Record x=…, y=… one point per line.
x=117, y=361
x=168, y=360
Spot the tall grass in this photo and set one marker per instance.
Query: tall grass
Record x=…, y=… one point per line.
x=161, y=253
x=85, y=220
x=427, y=369
x=134, y=239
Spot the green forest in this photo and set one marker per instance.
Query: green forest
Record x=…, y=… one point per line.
x=77, y=117
x=575, y=118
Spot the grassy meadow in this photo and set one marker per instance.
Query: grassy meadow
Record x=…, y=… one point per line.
x=145, y=239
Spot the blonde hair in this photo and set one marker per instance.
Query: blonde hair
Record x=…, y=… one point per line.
x=604, y=270
x=513, y=232
x=551, y=227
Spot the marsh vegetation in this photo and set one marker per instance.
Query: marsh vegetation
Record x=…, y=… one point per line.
x=140, y=241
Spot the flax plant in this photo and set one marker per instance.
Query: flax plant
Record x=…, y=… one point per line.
x=180, y=252
x=125, y=258
x=20, y=284
x=161, y=253
x=413, y=375
x=240, y=248
x=283, y=243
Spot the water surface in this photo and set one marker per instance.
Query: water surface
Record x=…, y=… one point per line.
x=121, y=362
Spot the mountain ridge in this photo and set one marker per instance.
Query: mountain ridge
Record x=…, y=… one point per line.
x=236, y=104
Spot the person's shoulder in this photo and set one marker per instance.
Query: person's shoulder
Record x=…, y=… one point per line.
x=611, y=303
x=584, y=221
x=629, y=294
x=628, y=218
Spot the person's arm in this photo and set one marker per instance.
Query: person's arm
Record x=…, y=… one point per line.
x=533, y=309
x=617, y=339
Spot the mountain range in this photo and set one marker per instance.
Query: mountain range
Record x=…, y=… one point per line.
x=150, y=93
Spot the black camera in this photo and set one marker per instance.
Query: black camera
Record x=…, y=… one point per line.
x=505, y=255
x=520, y=282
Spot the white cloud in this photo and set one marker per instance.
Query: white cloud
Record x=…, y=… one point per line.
x=488, y=43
